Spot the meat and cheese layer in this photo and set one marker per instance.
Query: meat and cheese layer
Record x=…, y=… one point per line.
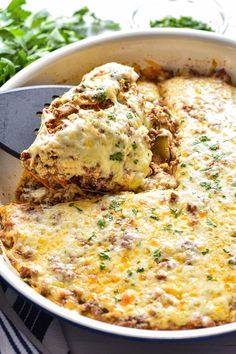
x=95, y=135
x=160, y=259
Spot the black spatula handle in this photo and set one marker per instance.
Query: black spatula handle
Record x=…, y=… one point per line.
x=19, y=109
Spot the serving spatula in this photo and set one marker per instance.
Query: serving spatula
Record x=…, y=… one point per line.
x=20, y=110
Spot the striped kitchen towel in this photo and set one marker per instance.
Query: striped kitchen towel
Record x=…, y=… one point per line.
x=25, y=329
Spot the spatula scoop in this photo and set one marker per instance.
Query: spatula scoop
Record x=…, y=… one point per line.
x=20, y=110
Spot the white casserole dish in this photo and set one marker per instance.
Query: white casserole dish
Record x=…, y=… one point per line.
x=170, y=48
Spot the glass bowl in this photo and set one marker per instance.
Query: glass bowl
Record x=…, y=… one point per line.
x=209, y=12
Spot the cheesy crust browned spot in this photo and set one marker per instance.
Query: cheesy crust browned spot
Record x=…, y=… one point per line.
x=160, y=259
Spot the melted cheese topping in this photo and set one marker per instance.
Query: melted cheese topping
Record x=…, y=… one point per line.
x=163, y=259
x=102, y=134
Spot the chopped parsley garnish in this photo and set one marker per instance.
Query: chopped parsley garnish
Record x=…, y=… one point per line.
x=117, y=156
x=225, y=250
x=232, y=261
x=102, y=266
x=129, y=115
x=27, y=36
x=210, y=277
x=183, y=165
x=234, y=183
x=116, y=204
x=100, y=94
x=75, y=206
x=181, y=22
x=135, y=211
x=140, y=270
x=130, y=273
x=177, y=231
x=206, y=185
x=217, y=157
x=109, y=216
x=134, y=145
x=111, y=117
x=204, y=138
x=104, y=255
x=157, y=255
x=205, y=252
x=216, y=175
x=175, y=211
x=210, y=222
x=214, y=147
x=167, y=227
x=207, y=168
x=91, y=237
x=154, y=217
x=101, y=223
x=217, y=185
x=135, y=162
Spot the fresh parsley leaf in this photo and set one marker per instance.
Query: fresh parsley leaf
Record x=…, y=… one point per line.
x=181, y=22
x=26, y=36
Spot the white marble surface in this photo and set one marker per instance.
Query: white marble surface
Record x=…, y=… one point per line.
x=82, y=341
